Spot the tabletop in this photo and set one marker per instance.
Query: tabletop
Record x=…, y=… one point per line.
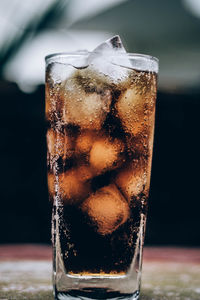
x=168, y=273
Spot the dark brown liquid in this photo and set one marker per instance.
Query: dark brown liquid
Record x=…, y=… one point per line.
x=99, y=169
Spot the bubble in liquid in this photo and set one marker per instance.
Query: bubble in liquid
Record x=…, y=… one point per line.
x=59, y=144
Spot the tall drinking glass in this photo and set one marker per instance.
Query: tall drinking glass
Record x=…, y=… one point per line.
x=99, y=140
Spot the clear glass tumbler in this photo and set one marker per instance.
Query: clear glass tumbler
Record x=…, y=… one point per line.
x=100, y=131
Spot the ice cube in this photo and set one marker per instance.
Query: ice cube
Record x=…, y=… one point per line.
x=105, y=59
x=87, y=110
x=58, y=72
x=133, y=112
x=109, y=46
x=73, y=187
x=106, y=154
x=59, y=144
x=84, y=141
x=107, y=209
x=130, y=108
x=87, y=94
x=136, y=105
x=132, y=179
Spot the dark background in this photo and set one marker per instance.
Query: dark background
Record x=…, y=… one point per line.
x=174, y=203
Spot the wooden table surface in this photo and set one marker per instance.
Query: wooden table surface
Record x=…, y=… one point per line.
x=168, y=273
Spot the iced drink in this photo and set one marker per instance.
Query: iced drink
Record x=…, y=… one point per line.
x=100, y=124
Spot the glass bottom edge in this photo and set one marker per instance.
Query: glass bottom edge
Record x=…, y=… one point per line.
x=95, y=293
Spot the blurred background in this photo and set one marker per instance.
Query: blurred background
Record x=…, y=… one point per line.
x=169, y=30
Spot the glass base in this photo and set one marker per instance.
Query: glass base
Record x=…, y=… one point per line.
x=95, y=293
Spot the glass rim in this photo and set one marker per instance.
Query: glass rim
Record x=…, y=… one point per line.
x=148, y=61
x=82, y=53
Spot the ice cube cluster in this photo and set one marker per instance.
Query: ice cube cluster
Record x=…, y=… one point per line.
x=100, y=135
